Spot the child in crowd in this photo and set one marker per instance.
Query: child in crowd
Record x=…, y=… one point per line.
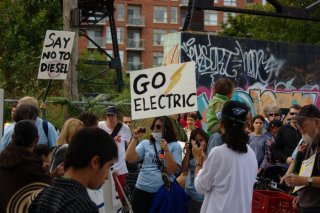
x=257, y=141
x=223, y=92
x=191, y=120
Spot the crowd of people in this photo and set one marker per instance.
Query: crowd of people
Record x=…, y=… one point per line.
x=217, y=167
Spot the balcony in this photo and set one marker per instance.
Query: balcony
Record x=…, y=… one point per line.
x=99, y=40
x=132, y=66
x=184, y=3
x=135, y=21
x=135, y=44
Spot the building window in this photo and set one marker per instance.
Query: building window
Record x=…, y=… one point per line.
x=120, y=12
x=174, y=15
x=210, y=18
x=230, y=2
x=157, y=59
x=158, y=37
x=226, y=16
x=96, y=36
x=120, y=35
x=110, y=52
x=159, y=14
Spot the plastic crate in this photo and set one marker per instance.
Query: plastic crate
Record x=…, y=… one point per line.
x=272, y=202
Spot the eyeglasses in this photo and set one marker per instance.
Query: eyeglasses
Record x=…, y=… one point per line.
x=158, y=126
x=293, y=113
x=274, y=114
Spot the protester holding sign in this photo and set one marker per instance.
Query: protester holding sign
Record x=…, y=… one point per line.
x=162, y=139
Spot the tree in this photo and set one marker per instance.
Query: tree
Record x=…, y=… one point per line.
x=272, y=28
x=22, y=29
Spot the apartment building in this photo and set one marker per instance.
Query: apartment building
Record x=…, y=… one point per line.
x=142, y=24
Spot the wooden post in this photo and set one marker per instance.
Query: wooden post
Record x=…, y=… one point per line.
x=71, y=83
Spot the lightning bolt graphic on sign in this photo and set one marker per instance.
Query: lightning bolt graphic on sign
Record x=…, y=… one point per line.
x=176, y=76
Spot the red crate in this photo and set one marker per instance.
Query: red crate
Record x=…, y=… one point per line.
x=272, y=202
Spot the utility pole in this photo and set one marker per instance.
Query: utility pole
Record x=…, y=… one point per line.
x=71, y=83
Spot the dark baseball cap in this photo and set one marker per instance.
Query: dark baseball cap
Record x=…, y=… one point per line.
x=111, y=110
x=308, y=111
x=235, y=111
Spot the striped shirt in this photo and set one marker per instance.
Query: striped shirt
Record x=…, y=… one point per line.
x=65, y=195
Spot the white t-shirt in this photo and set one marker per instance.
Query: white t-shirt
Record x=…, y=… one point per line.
x=125, y=133
x=227, y=180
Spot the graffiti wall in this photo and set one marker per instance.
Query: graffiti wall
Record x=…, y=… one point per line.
x=265, y=73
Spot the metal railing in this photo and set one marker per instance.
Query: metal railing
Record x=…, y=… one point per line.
x=135, y=44
x=131, y=66
x=136, y=21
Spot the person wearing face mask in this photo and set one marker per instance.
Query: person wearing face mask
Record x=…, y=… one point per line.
x=150, y=177
x=308, y=199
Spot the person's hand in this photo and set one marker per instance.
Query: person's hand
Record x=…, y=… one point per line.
x=115, y=173
x=117, y=138
x=294, y=180
x=302, y=147
x=289, y=160
x=197, y=152
x=282, y=179
x=164, y=145
x=137, y=133
x=295, y=202
x=59, y=171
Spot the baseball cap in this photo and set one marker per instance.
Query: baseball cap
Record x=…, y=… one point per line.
x=235, y=111
x=111, y=110
x=308, y=111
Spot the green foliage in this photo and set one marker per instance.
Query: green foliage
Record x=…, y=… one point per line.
x=22, y=29
x=272, y=28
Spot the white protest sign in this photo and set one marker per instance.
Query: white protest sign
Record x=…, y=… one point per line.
x=163, y=90
x=56, y=55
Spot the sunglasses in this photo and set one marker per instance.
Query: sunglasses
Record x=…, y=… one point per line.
x=274, y=114
x=158, y=126
x=293, y=113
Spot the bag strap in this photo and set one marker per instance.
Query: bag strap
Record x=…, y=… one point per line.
x=165, y=177
x=116, y=130
x=45, y=128
x=160, y=166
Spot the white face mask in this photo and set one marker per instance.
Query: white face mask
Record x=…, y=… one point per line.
x=157, y=135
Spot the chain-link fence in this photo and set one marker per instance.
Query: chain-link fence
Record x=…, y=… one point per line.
x=54, y=111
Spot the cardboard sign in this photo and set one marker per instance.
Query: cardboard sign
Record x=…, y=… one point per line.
x=163, y=90
x=56, y=55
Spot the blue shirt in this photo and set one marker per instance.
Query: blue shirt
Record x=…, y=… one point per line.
x=190, y=188
x=43, y=139
x=150, y=177
x=258, y=144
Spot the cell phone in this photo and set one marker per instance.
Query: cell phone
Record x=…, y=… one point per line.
x=142, y=130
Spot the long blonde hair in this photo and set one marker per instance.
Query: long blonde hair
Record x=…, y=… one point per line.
x=69, y=128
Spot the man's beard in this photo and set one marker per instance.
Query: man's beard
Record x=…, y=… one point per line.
x=308, y=139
